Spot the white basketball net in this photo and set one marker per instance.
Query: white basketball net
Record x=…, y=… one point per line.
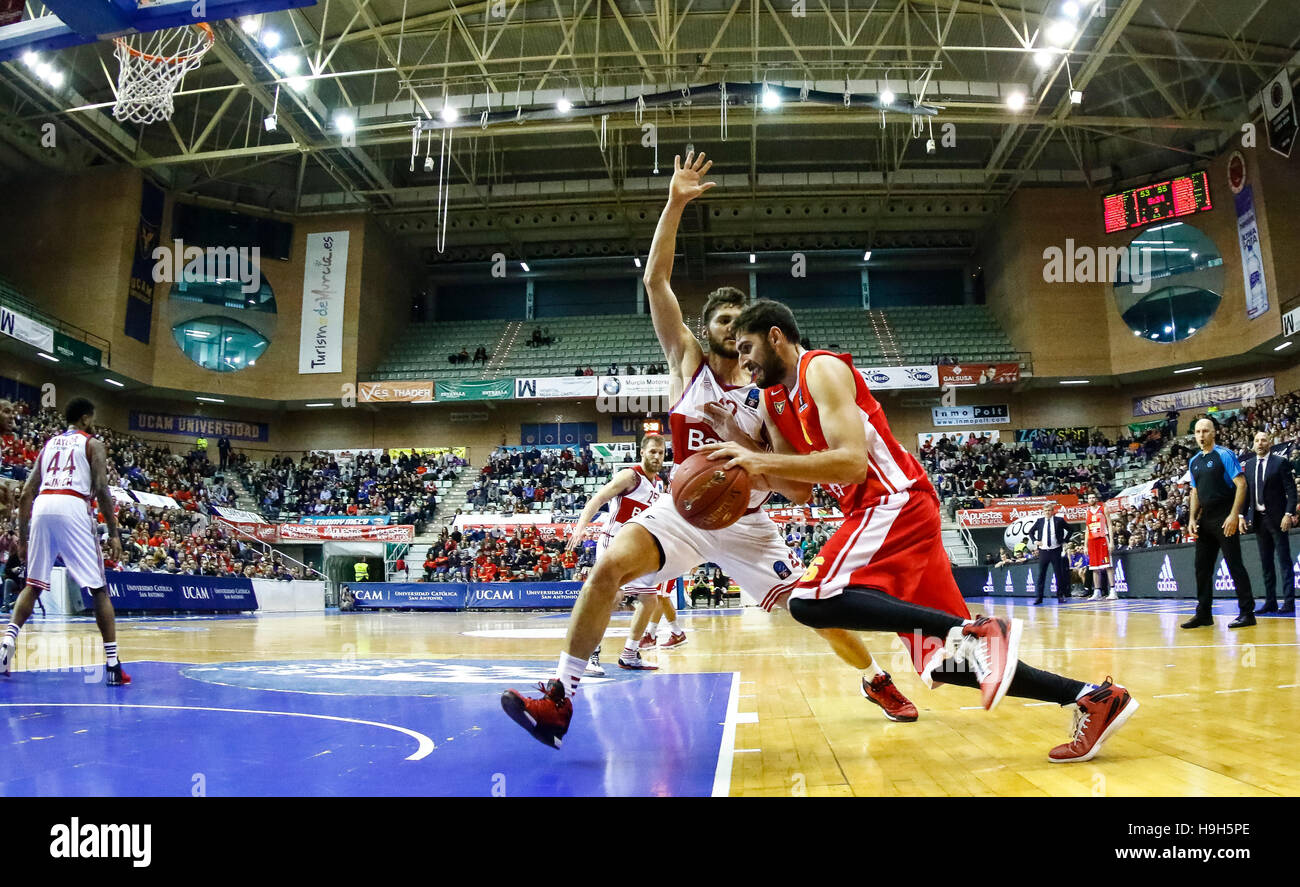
x=151, y=68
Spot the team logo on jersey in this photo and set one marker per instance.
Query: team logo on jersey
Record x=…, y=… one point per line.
x=1166, y=582
x=782, y=569
x=780, y=407
x=751, y=399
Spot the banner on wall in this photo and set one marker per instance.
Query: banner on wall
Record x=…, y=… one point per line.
x=198, y=426
x=1291, y=322
x=1198, y=398
x=238, y=515
x=981, y=435
x=615, y=453
x=1078, y=434
x=139, y=294
x=324, y=279
x=77, y=351
x=1279, y=112
x=562, y=386
x=984, y=414
x=1252, y=255
x=347, y=520
x=409, y=595
x=631, y=386
x=887, y=378
x=979, y=374
x=335, y=533
x=1006, y=515
x=263, y=532
x=493, y=389
x=395, y=392
x=24, y=329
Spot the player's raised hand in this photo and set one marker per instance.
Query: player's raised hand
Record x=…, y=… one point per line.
x=724, y=422
x=687, y=183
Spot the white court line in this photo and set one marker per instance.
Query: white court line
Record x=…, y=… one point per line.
x=747, y=751
x=971, y=708
x=1034, y=704
x=1287, y=686
x=747, y=717
x=727, y=748
x=1242, y=690
x=425, y=743
x=1169, y=695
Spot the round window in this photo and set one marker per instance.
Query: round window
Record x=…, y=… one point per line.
x=1170, y=283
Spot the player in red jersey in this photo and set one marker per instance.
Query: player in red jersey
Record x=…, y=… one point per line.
x=714, y=400
x=629, y=492
x=885, y=569
x=1099, y=544
x=70, y=473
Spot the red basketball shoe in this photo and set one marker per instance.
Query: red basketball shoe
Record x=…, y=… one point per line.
x=114, y=676
x=882, y=692
x=675, y=640
x=547, y=719
x=990, y=646
x=1099, y=715
x=647, y=641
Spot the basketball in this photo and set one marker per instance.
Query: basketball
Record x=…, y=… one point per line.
x=709, y=496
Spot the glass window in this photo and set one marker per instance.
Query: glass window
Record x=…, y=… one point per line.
x=225, y=292
x=218, y=343
x=1169, y=282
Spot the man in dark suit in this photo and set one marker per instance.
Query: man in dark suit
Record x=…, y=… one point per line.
x=1270, y=502
x=1048, y=534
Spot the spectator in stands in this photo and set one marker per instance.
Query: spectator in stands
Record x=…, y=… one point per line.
x=612, y=370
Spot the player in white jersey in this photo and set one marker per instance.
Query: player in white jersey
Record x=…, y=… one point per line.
x=715, y=401
x=58, y=501
x=629, y=492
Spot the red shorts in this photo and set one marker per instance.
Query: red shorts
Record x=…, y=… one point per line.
x=1098, y=554
x=895, y=547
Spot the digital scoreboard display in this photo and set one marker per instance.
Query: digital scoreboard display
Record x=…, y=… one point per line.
x=1139, y=207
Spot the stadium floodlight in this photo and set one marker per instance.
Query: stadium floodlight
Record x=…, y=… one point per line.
x=866, y=257
x=1016, y=101
x=297, y=84
x=636, y=260
x=115, y=382
x=771, y=99
x=270, y=39
x=1188, y=370
x=271, y=122
x=1043, y=59
x=209, y=399
x=31, y=59
x=49, y=357
x=887, y=97
x=250, y=24
x=345, y=123
x=523, y=265
x=287, y=63
x=564, y=106
x=752, y=259
x=1076, y=381
x=1060, y=32
x=1286, y=344
x=449, y=114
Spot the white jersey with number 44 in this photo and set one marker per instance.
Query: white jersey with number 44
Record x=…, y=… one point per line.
x=65, y=464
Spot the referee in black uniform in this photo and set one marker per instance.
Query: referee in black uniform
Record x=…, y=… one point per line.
x=1218, y=494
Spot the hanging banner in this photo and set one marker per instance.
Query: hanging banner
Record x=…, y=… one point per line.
x=886, y=378
x=970, y=436
x=1198, y=398
x=198, y=426
x=334, y=533
x=324, y=280
x=1252, y=256
x=238, y=515
x=1279, y=112
x=395, y=392
x=139, y=295
x=631, y=386
x=77, y=351
x=985, y=414
x=24, y=329
x=347, y=520
x=979, y=374
x=494, y=389
x=562, y=386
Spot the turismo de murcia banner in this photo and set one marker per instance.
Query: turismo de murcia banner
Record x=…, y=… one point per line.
x=1195, y=398
x=198, y=426
x=320, y=349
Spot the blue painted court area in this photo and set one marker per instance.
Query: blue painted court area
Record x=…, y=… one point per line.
x=363, y=727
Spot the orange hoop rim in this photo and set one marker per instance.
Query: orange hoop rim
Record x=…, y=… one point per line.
x=203, y=27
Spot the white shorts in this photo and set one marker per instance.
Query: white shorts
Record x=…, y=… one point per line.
x=751, y=552
x=63, y=526
x=636, y=586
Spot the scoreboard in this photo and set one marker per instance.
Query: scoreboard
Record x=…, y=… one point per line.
x=1139, y=207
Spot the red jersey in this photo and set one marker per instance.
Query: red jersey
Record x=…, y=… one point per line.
x=1096, y=522
x=891, y=468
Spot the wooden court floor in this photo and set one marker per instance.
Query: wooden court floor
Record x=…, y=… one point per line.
x=1220, y=710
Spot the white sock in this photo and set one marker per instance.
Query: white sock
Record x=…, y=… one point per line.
x=653, y=629
x=874, y=670
x=569, y=672
x=672, y=628
x=632, y=645
x=110, y=653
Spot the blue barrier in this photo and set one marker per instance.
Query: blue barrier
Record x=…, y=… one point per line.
x=169, y=591
x=460, y=595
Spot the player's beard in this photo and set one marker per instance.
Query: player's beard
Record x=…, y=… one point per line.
x=768, y=368
x=720, y=348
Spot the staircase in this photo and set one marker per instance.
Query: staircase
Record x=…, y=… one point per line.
x=501, y=350
x=447, y=504
x=955, y=542
x=893, y=356
x=243, y=499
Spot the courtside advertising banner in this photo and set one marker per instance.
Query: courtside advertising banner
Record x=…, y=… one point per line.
x=1006, y=515
x=633, y=386
x=411, y=595
x=167, y=591
x=979, y=374
x=513, y=595
x=562, y=386
x=886, y=378
x=320, y=349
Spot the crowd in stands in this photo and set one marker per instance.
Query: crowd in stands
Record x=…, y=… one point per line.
x=513, y=480
x=319, y=484
x=541, y=338
x=480, y=356
x=522, y=554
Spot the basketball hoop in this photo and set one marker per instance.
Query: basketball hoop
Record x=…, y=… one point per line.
x=152, y=66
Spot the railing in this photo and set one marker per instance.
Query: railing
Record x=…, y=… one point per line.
x=268, y=548
x=11, y=298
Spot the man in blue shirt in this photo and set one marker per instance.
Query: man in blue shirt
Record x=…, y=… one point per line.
x=1218, y=494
